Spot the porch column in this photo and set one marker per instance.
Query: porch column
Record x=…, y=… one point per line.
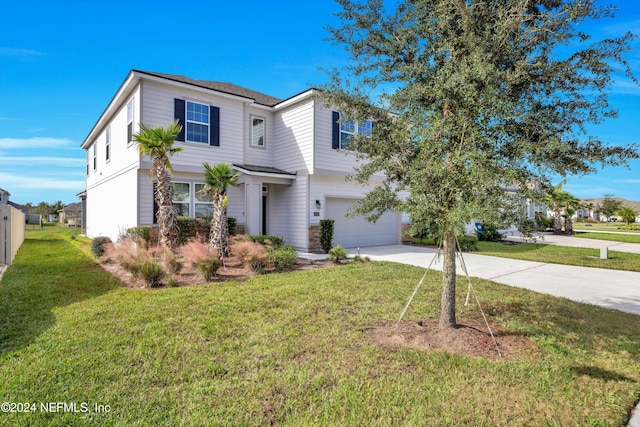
x=253, y=206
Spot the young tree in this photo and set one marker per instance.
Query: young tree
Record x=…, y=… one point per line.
x=217, y=179
x=627, y=213
x=157, y=143
x=609, y=206
x=482, y=97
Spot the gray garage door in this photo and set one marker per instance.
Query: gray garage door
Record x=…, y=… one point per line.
x=353, y=232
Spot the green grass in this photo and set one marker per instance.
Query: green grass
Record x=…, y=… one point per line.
x=291, y=349
x=625, y=238
x=554, y=254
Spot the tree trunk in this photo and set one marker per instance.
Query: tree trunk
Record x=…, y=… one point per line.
x=219, y=235
x=448, y=301
x=568, y=225
x=166, y=217
x=557, y=222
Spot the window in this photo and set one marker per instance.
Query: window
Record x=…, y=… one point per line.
x=197, y=122
x=192, y=200
x=350, y=128
x=257, y=132
x=130, y=122
x=108, y=144
x=181, y=197
x=87, y=162
x=95, y=156
x=203, y=202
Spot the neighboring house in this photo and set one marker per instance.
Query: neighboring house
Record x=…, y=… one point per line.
x=71, y=214
x=289, y=154
x=4, y=200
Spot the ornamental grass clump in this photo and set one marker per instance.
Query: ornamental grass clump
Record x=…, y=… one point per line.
x=251, y=254
x=202, y=257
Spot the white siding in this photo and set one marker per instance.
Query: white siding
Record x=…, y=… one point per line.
x=112, y=205
x=327, y=158
x=288, y=210
x=260, y=156
x=294, y=138
x=124, y=156
x=158, y=104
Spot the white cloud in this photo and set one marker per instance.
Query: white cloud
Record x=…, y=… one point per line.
x=30, y=182
x=37, y=142
x=49, y=161
x=627, y=181
x=19, y=53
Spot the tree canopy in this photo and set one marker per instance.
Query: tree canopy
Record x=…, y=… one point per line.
x=479, y=98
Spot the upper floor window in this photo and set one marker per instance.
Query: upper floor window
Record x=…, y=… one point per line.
x=197, y=122
x=257, y=131
x=108, y=144
x=95, y=156
x=87, y=162
x=130, y=122
x=350, y=128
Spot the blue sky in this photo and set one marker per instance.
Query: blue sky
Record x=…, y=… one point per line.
x=62, y=61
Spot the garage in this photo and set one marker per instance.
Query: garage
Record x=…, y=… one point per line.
x=354, y=232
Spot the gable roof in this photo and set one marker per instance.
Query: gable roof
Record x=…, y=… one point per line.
x=224, y=87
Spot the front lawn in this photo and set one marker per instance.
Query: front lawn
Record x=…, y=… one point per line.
x=292, y=349
x=625, y=238
x=554, y=254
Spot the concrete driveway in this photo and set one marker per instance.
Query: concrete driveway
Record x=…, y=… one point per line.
x=607, y=288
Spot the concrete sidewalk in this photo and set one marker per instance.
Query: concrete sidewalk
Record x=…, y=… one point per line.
x=607, y=288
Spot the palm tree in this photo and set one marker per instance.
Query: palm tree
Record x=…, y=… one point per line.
x=571, y=203
x=217, y=179
x=588, y=207
x=157, y=143
x=627, y=213
x=555, y=201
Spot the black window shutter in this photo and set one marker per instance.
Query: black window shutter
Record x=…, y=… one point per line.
x=179, y=115
x=214, y=126
x=335, y=134
x=155, y=206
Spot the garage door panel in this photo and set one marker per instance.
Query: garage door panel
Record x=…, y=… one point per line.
x=353, y=232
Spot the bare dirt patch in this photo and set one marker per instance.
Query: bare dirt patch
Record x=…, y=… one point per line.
x=470, y=338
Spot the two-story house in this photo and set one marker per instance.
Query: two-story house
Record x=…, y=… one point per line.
x=289, y=153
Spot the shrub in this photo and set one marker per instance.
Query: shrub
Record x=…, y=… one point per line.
x=488, y=233
x=98, y=245
x=202, y=258
x=337, y=254
x=543, y=223
x=141, y=234
x=283, y=258
x=152, y=273
x=231, y=225
x=193, y=228
x=630, y=227
x=468, y=243
x=326, y=234
x=266, y=240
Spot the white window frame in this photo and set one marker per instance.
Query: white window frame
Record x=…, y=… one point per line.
x=186, y=201
x=187, y=121
x=95, y=156
x=88, y=161
x=358, y=128
x=264, y=132
x=130, y=116
x=107, y=145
